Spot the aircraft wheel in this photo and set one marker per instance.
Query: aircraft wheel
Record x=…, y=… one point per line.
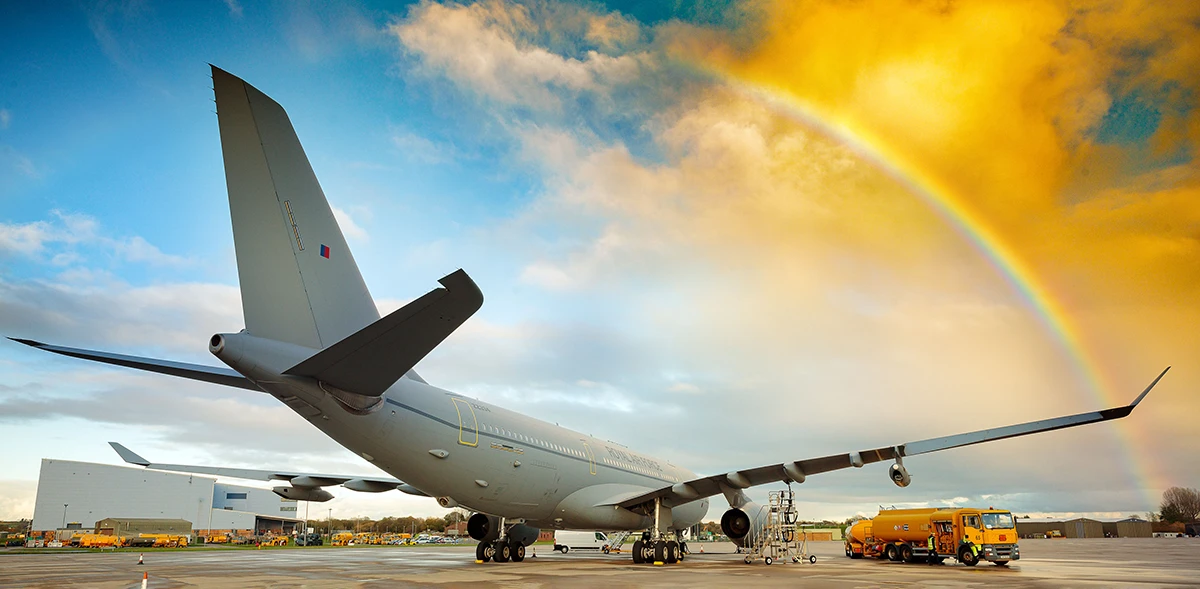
x=502, y=551
x=516, y=552
x=639, y=556
x=672, y=552
x=660, y=551
x=484, y=551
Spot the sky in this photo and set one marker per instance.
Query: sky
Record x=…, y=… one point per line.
x=725, y=234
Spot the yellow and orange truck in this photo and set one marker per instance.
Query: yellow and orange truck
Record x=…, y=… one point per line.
x=965, y=534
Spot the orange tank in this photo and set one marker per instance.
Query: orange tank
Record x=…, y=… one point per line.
x=903, y=525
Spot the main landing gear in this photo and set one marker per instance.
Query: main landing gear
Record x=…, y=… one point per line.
x=655, y=546
x=500, y=550
x=499, y=542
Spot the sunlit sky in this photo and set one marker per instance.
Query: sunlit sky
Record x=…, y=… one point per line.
x=725, y=234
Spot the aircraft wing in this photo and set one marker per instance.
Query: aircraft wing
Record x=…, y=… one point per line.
x=692, y=490
x=297, y=479
x=213, y=374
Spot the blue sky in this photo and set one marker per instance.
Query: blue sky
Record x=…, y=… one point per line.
x=654, y=246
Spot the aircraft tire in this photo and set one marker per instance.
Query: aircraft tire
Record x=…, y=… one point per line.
x=502, y=551
x=639, y=557
x=672, y=552
x=483, y=551
x=516, y=552
x=660, y=551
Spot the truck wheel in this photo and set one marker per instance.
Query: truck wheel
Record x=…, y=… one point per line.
x=891, y=553
x=906, y=553
x=849, y=553
x=967, y=556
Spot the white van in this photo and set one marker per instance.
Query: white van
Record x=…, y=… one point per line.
x=567, y=540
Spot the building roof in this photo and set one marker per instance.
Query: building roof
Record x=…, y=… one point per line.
x=146, y=521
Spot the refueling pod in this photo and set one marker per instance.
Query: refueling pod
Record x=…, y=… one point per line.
x=899, y=474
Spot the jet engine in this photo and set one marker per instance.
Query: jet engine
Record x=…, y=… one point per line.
x=735, y=524
x=899, y=475
x=484, y=528
x=303, y=493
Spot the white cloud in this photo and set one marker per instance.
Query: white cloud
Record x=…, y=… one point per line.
x=349, y=227
x=5, y=118
x=59, y=237
x=485, y=48
x=235, y=8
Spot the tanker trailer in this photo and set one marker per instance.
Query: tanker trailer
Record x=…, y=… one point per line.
x=966, y=534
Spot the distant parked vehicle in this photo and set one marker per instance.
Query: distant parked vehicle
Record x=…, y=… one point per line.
x=567, y=540
x=313, y=539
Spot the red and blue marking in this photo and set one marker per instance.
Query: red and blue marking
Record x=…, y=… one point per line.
x=324, y=251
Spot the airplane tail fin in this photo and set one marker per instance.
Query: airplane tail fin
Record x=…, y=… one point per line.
x=299, y=282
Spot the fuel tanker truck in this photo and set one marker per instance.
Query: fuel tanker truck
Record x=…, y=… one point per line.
x=966, y=534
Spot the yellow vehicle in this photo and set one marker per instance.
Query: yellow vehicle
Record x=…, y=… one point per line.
x=166, y=540
x=98, y=540
x=342, y=539
x=275, y=541
x=217, y=539
x=966, y=534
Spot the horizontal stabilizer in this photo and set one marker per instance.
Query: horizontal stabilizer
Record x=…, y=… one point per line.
x=371, y=360
x=213, y=374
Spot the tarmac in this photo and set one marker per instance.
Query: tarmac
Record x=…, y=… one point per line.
x=1125, y=562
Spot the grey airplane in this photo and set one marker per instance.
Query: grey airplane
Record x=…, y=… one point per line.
x=315, y=341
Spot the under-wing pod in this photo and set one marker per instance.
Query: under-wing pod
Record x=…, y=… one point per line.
x=303, y=494
x=899, y=475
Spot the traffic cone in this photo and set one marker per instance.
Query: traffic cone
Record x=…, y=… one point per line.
x=140, y=561
x=145, y=579
x=701, y=549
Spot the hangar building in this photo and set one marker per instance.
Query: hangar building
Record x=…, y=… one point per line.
x=87, y=493
x=1084, y=528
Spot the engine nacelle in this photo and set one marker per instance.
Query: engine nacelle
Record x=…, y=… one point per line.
x=484, y=528
x=735, y=524
x=899, y=475
x=524, y=534
x=303, y=493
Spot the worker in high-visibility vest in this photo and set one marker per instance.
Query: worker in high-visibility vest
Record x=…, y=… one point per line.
x=933, y=555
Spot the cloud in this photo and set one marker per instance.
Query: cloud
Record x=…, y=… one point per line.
x=352, y=229
x=19, y=162
x=5, y=118
x=60, y=236
x=235, y=8
x=488, y=48
x=420, y=149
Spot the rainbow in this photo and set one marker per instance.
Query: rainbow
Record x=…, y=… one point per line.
x=1018, y=273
